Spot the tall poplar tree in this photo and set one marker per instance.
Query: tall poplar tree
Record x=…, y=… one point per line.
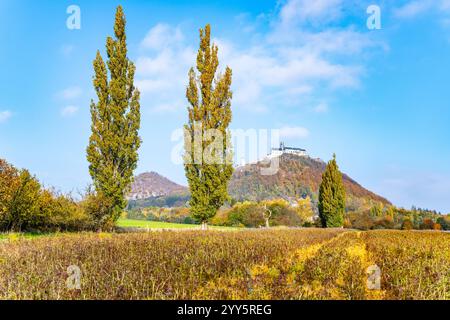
x=114, y=142
x=332, y=196
x=206, y=133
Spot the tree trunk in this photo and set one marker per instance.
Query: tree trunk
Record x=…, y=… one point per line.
x=204, y=225
x=267, y=223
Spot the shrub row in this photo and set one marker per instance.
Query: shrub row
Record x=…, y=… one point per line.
x=26, y=206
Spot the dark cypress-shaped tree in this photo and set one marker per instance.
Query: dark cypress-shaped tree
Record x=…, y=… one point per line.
x=114, y=142
x=208, y=164
x=332, y=196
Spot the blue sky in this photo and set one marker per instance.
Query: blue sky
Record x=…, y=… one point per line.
x=380, y=99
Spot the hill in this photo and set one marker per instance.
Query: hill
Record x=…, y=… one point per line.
x=297, y=176
x=153, y=185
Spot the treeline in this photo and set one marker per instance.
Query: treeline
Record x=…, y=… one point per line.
x=170, y=201
x=162, y=214
x=25, y=205
x=301, y=213
x=378, y=216
x=277, y=212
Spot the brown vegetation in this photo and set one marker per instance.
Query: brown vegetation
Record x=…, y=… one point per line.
x=259, y=264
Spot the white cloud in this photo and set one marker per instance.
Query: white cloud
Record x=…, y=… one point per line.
x=279, y=69
x=307, y=67
x=147, y=86
x=292, y=70
x=69, y=93
x=294, y=132
x=5, y=115
x=69, y=111
x=162, y=36
x=336, y=41
x=161, y=74
x=156, y=65
x=300, y=11
x=413, y=8
x=300, y=90
x=169, y=107
x=321, y=108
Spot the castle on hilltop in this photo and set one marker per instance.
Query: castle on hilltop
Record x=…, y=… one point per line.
x=276, y=152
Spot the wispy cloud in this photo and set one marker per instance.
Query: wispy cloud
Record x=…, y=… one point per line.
x=302, y=11
x=69, y=93
x=162, y=68
x=419, y=188
x=69, y=111
x=168, y=108
x=413, y=9
x=5, y=115
x=294, y=132
x=162, y=36
x=321, y=108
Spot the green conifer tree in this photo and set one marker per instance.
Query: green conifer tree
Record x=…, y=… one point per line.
x=209, y=98
x=114, y=142
x=332, y=196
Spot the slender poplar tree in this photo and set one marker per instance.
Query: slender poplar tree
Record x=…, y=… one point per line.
x=332, y=196
x=208, y=154
x=114, y=142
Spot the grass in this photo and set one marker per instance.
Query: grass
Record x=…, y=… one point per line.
x=123, y=223
x=145, y=224
x=16, y=236
x=129, y=223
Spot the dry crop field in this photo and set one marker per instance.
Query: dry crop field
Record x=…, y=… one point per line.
x=249, y=264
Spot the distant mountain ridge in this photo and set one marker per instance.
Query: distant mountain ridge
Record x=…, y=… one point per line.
x=152, y=184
